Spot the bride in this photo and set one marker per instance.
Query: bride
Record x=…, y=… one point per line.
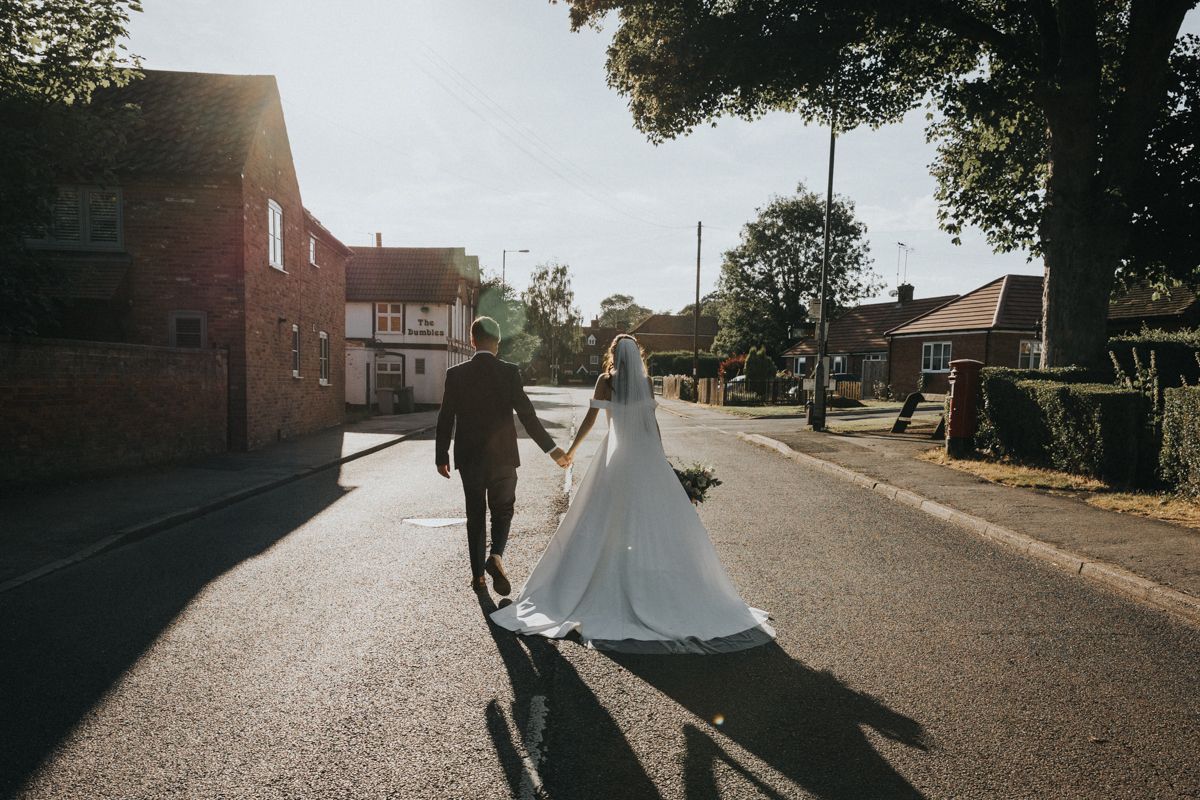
x=631, y=566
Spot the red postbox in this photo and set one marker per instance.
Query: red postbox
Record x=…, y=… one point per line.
x=964, y=407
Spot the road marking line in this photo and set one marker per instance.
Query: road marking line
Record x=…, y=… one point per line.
x=531, y=780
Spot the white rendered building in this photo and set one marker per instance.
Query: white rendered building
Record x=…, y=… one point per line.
x=408, y=319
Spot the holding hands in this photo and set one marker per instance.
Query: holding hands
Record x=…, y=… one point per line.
x=562, y=458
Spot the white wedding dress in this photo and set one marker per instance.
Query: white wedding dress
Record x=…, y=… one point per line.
x=631, y=566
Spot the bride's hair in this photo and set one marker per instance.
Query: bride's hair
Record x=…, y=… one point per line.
x=610, y=358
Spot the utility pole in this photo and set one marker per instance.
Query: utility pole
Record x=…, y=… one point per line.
x=696, y=318
x=818, y=410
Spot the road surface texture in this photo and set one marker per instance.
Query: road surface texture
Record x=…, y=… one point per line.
x=310, y=642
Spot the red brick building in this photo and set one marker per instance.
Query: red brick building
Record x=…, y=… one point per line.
x=205, y=243
x=857, y=343
x=998, y=324
x=661, y=333
x=595, y=339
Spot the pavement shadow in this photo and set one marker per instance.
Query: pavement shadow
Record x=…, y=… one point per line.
x=66, y=640
x=589, y=756
x=805, y=724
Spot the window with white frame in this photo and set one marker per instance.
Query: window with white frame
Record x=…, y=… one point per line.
x=389, y=374
x=187, y=328
x=595, y=359
x=591, y=341
x=275, y=235
x=419, y=366
x=1030, y=354
x=312, y=251
x=838, y=365
x=323, y=358
x=84, y=217
x=935, y=357
x=875, y=357
x=389, y=318
x=295, y=351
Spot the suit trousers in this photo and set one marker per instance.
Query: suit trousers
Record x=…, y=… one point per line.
x=488, y=487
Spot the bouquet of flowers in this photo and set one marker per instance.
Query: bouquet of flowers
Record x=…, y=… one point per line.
x=697, y=480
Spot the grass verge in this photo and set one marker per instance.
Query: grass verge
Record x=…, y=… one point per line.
x=1163, y=507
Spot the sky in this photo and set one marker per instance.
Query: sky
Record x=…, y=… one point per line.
x=488, y=124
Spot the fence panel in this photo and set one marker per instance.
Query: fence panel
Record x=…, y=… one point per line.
x=873, y=372
x=851, y=390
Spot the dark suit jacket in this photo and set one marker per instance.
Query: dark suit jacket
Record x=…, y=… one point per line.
x=477, y=407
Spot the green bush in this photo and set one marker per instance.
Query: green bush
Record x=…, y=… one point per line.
x=1180, y=458
x=759, y=366
x=679, y=362
x=1009, y=423
x=1174, y=353
x=1092, y=429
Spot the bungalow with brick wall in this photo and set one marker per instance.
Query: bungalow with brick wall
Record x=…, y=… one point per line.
x=856, y=337
x=661, y=333
x=203, y=242
x=408, y=319
x=998, y=324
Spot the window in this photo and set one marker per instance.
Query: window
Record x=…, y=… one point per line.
x=875, y=357
x=1030, y=355
x=838, y=365
x=389, y=375
x=295, y=351
x=935, y=357
x=275, y=235
x=323, y=358
x=187, y=329
x=389, y=317
x=419, y=366
x=312, y=251
x=84, y=217
x=591, y=341
x=595, y=359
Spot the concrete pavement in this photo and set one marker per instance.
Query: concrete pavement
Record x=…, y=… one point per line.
x=50, y=526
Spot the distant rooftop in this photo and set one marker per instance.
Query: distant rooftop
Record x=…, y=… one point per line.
x=409, y=274
x=1010, y=302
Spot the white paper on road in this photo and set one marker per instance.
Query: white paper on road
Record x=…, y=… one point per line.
x=437, y=522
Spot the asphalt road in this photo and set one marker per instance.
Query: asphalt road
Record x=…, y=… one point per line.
x=311, y=643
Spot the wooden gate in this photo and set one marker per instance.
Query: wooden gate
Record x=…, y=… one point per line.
x=873, y=372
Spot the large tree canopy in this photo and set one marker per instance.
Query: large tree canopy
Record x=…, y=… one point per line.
x=553, y=318
x=1063, y=126
x=768, y=280
x=499, y=301
x=53, y=55
x=621, y=311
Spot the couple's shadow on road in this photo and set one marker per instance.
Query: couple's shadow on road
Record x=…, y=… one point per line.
x=803, y=723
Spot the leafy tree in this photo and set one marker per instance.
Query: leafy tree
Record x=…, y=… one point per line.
x=1064, y=126
x=710, y=306
x=620, y=311
x=53, y=55
x=759, y=366
x=500, y=302
x=552, y=315
x=769, y=278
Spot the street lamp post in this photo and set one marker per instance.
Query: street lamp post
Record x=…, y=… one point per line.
x=504, y=265
x=818, y=410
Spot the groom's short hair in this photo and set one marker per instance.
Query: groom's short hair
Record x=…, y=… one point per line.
x=485, y=330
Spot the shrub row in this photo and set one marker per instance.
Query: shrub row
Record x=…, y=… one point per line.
x=1005, y=411
x=679, y=362
x=1180, y=458
x=1174, y=354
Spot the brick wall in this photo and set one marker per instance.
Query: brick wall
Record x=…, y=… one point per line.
x=994, y=349
x=77, y=408
x=279, y=405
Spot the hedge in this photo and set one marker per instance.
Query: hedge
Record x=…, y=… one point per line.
x=1175, y=354
x=1180, y=458
x=1092, y=429
x=679, y=362
x=1009, y=418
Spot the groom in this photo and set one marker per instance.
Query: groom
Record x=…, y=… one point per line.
x=477, y=407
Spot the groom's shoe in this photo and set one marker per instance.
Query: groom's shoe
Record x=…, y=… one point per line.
x=495, y=568
x=479, y=584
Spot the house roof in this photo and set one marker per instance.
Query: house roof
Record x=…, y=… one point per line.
x=674, y=325
x=414, y=274
x=1139, y=302
x=191, y=123
x=1010, y=302
x=861, y=329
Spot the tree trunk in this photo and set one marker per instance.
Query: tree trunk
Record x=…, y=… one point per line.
x=1081, y=259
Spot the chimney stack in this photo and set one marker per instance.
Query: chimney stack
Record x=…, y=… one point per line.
x=904, y=293
x=378, y=239
x=595, y=323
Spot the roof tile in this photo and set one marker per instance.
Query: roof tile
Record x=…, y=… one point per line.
x=413, y=274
